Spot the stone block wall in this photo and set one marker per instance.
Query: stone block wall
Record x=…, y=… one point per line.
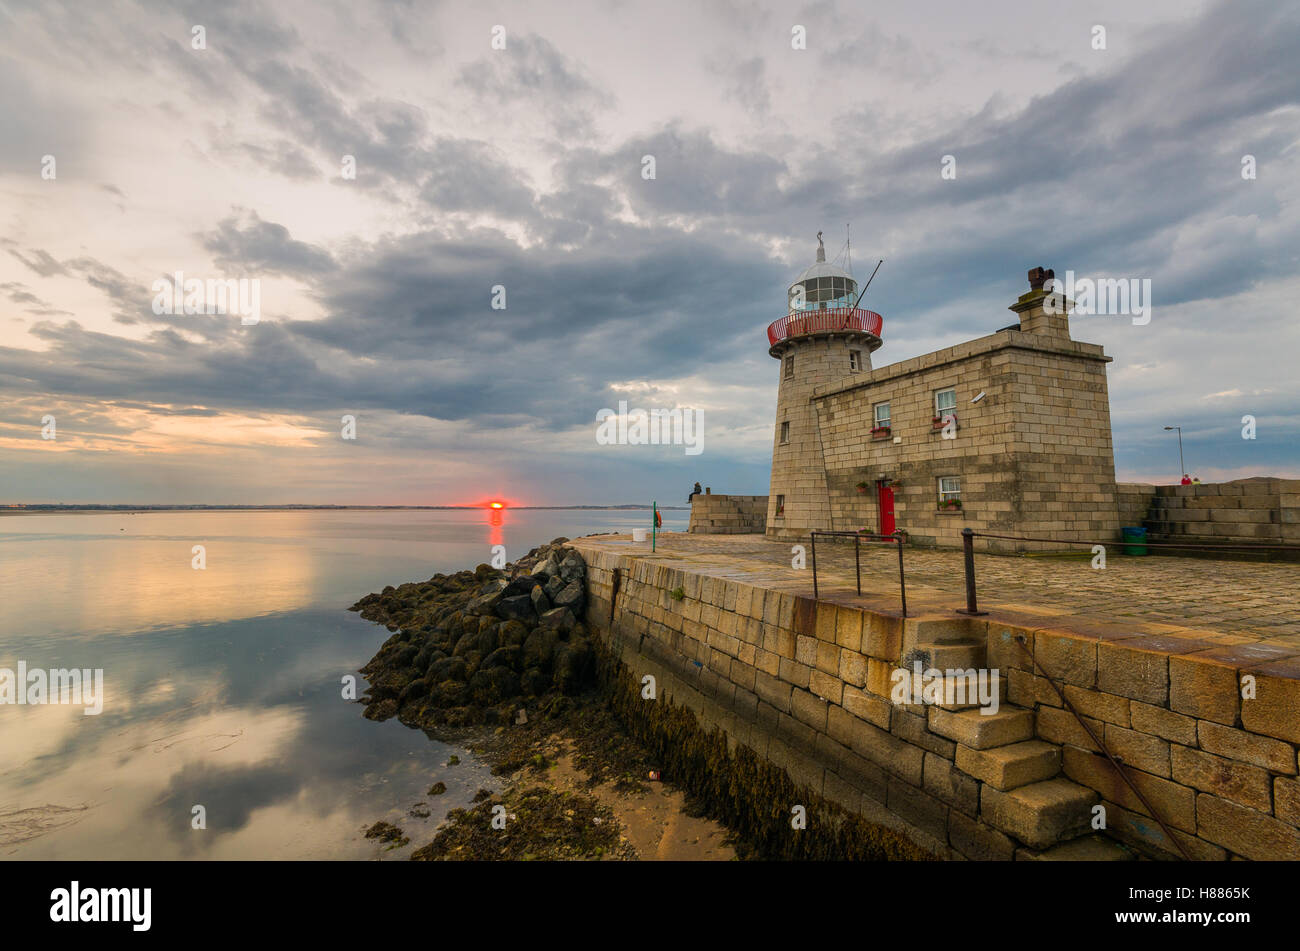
x=1133, y=502
x=1260, y=511
x=806, y=685
x=728, y=514
x=1221, y=770
x=1033, y=454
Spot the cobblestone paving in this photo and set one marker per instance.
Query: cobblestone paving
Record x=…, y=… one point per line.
x=1237, y=601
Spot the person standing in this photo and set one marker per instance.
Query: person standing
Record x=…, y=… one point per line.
x=1187, y=480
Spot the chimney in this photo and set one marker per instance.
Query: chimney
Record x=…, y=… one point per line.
x=1043, y=312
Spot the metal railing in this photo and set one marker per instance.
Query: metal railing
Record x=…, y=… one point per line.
x=859, y=537
x=968, y=537
x=829, y=320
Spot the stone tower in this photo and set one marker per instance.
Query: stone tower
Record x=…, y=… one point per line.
x=823, y=340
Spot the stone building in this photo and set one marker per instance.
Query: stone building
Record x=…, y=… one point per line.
x=1008, y=433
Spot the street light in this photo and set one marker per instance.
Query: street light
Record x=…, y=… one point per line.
x=1181, y=468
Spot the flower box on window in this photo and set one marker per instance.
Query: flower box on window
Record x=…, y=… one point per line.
x=940, y=421
x=880, y=432
x=862, y=488
x=950, y=506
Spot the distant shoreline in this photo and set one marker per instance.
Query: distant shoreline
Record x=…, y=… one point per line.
x=144, y=509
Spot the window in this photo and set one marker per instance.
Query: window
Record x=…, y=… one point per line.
x=855, y=359
x=789, y=368
x=949, y=488
x=780, y=505
x=882, y=416
x=785, y=433
x=945, y=403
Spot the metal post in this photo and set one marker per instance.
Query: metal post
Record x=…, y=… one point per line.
x=654, y=525
x=857, y=560
x=902, y=584
x=968, y=554
x=812, y=538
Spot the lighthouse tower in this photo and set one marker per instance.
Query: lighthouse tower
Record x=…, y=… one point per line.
x=823, y=339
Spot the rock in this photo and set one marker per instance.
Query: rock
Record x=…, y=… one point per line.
x=502, y=657
x=453, y=668
x=554, y=587
x=573, y=570
x=534, y=682
x=492, y=686
x=513, y=634
x=518, y=608
x=539, y=647
x=561, y=619
x=485, y=604
x=572, y=597
x=482, y=643
x=521, y=585
x=413, y=691
x=574, y=663
x=437, y=789
x=449, y=693
x=546, y=568
x=541, y=603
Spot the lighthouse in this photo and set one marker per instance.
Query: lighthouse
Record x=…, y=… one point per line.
x=822, y=340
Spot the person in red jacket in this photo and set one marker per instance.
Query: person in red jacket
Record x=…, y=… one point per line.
x=1187, y=480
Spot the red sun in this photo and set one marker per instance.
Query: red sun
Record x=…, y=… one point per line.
x=496, y=505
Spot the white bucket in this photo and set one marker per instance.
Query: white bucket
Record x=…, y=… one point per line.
x=638, y=534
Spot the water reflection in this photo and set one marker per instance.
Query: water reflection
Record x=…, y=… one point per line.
x=222, y=687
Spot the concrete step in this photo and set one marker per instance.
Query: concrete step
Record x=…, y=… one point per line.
x=1008, y=767
x=1042, y=814
x=981, y=731
x=1088, y=848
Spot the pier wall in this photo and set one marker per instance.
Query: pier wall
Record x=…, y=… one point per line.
x=806, y=686
x=728, y=514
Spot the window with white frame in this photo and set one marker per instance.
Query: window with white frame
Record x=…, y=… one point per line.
x=949, y=488
x=780, y=505
x=855, y=359
x=882, y=415
x=785, y=433
x=945, y=403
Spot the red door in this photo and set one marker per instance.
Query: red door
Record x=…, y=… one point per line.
x=886, y=508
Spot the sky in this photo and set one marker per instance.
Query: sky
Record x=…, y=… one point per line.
x=135, y=145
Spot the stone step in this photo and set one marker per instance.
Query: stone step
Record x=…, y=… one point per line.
x=981, y=731
x=1008, y=767
x=955, y=687
x=1042, y=814
x=1088, y=848
x=958, y=656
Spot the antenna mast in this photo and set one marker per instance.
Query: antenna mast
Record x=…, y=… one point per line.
x=868, y=284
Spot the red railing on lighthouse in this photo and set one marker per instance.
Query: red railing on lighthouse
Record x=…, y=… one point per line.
x=829, y=320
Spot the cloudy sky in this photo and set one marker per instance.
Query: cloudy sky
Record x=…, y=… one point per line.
x=522, y=167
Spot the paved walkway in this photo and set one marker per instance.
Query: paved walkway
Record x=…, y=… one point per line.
x=1231, y=601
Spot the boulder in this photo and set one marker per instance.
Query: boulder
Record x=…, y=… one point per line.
x=574, y=664
x=541, y=603
x=534, y=682
x=517, y=608
x=452, y=668
x=559, y=619
x=513, y=633
x=539, y=647
x=572, y=597
x=502, y=657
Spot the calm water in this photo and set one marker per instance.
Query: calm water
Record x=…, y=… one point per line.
x=223, y=685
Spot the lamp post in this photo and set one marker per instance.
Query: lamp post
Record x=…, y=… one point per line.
x=1182, y=471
